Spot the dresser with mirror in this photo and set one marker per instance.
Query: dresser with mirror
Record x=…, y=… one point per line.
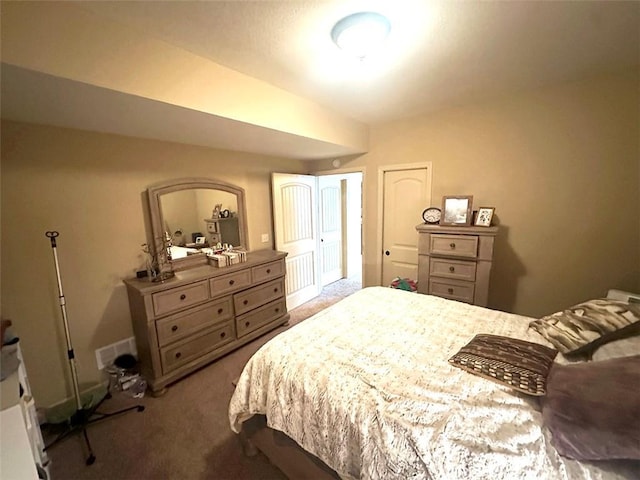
x=192, y=312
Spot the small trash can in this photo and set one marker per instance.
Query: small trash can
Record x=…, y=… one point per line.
x=124, y=376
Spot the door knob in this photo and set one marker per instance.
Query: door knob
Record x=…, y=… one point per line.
x=387, y=253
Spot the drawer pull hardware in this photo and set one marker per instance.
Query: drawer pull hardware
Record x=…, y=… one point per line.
x=268, y=270
x=450, y=290
x=174, y=328
x=178, y=355
x=275, y=290
x=220, y=310
x=246, y=324
x=452, y=245
x=223, y=334
x=277, y=310
x=452, y=269
x=245, y=302
x=231, y=282
x=183, y=296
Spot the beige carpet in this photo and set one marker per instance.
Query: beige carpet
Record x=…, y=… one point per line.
x=184, y=434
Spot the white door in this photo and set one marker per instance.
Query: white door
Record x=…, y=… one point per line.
x=330, y=229
x=405, y=194
x=294, y=201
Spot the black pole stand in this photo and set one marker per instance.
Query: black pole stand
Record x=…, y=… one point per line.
x=83, y=417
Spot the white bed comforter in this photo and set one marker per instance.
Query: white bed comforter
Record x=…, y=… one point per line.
x=366, y=386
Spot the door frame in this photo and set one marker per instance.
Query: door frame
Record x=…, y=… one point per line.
x=361, y=170
x=380, y=204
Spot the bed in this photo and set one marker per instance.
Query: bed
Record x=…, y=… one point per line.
x=366, y=387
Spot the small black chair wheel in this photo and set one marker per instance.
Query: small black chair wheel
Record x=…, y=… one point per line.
x=141, y=408
x=91, y=460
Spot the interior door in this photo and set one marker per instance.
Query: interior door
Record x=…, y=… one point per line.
x=405, y=195
x=294, y=201
x=330, y=229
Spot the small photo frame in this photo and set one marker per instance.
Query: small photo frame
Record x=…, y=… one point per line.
x=456, y=210
x=485, y=214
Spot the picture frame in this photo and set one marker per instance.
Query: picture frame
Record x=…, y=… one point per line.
x=484, y=217
x=457, y=210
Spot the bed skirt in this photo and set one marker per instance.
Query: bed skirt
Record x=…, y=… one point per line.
x=282, y=451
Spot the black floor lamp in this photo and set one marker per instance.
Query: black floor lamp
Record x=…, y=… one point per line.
x=82, y=417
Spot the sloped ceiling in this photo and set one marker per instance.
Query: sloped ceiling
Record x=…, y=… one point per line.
x=439, y=54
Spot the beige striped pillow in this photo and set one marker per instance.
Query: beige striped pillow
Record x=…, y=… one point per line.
x=584, y=327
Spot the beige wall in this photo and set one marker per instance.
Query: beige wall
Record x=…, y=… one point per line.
x=88, y=186
x=561, y=167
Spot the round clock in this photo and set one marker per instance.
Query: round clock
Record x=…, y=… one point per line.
x=431, y=215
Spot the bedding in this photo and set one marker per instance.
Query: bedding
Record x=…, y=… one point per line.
x=592, y=409
x=582, y=328
x=366, y=386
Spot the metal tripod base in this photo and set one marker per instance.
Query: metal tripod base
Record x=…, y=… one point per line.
x=85, y=417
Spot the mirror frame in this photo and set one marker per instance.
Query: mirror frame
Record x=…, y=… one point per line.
x=155, y=192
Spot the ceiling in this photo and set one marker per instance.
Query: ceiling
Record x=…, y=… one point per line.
x=439, y=54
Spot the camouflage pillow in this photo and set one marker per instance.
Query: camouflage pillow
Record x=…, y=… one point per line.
x=584, y=327
x=515, y=363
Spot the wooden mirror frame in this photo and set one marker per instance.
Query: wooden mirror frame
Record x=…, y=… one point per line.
x=154, y=194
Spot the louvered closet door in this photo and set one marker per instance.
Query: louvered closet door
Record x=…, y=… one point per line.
x=294, y=205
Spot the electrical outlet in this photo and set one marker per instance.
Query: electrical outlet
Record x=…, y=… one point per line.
x=265, y=238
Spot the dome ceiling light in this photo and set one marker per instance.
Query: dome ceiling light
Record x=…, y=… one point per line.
x=362, y=33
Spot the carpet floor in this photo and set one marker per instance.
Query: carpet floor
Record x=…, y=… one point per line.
x=185, y=433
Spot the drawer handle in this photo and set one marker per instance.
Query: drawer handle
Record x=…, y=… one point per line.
x=231, y=282
x=452, y=269
x=277, y=310
x=275, y=290
x=178, y=355
x=245, y=302
x=246, y=324
x=174, y=328
x=452, y=245
x=183, y=296
x=268, y=270
x=450, y=290
x=223, y=334
x=220, y=310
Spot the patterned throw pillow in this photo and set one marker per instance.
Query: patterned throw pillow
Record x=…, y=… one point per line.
x=515, y=363
x=584, y=327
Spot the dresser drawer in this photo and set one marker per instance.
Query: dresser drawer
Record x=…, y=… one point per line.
x=184, y=352
x=454, y=245
x=179, y=298
x=453, y=289
x=181, y=325
x=459, y=269
x=268, y=271
x=261, y=316
x=256, y=296
x=230, y=282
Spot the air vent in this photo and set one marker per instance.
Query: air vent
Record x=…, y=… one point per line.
x=106, y=355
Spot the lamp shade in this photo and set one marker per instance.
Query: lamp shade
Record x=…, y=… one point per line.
x=361, y=33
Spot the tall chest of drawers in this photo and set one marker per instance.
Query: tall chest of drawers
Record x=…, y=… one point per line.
x=203, y=313
x=455, y=262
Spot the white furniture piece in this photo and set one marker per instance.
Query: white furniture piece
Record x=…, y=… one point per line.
x=455, y=262
x=204, y=313
x=21, y=444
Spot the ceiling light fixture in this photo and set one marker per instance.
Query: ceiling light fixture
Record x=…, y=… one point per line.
x=361, y=33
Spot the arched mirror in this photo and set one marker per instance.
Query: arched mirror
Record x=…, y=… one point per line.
x=190, y=214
